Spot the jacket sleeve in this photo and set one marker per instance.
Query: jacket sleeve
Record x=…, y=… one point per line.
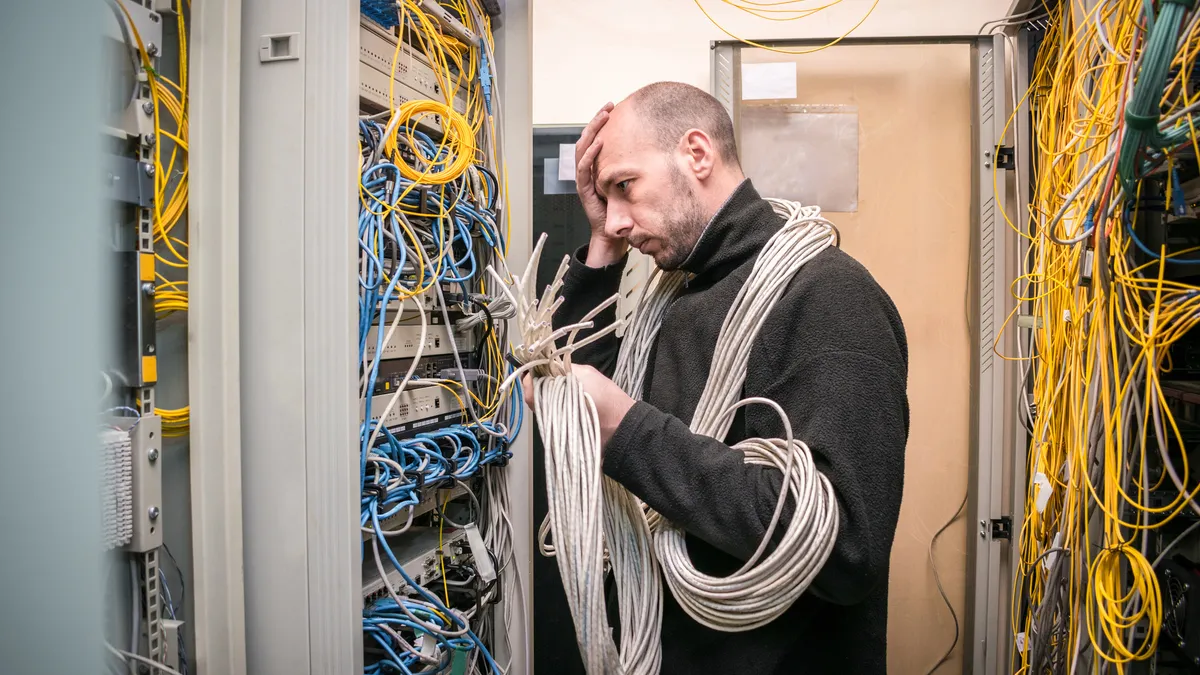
x=849, y=404
x=584, y=288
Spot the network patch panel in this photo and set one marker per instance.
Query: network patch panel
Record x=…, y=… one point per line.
x=393, y=371
x=422, y=407
x=407, y=337
x=420, y=555
x=414, y=79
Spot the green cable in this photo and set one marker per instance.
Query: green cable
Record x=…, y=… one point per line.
x=1144, y=110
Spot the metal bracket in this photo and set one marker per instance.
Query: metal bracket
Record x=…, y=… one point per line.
x=129, y=181
x=153, y=606
x=1002, y=528
x=146, y=437
x=1006, y=158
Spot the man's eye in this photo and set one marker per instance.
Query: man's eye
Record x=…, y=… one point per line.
x=623, y=185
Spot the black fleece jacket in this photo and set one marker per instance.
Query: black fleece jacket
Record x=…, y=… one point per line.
x=833, y=354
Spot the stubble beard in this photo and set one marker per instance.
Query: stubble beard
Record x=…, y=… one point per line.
x=682, y=226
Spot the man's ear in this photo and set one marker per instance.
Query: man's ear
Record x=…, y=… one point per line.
x=700, y=154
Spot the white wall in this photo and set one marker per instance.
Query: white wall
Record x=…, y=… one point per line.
x=586, y=52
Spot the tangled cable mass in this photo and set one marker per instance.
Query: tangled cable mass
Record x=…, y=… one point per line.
x=588, y=512
x=1113, y=96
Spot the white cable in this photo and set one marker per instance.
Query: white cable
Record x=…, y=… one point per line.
x=407, y=376
x=135, y=585
x=500, y=309
x=571, y=435
x=153, y=665
x=765, y=586
x=581, y=513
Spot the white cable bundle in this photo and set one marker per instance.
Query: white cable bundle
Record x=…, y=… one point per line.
x=570, y=433
x=571, y=436
x=639, y=587
x=761, y=590
x=758, y=592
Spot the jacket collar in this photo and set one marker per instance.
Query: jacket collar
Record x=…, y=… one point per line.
x=735, y=234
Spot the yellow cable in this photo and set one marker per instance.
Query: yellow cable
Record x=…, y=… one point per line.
x=1082, y=333
x=802, y=14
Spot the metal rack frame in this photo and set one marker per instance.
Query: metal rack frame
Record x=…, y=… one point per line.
x=297, y=305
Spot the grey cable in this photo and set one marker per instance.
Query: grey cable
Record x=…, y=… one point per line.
x=153, y=665
x=580, y=512
x=1174, y=542
x=130, y=46
x=768, y=583
x=467, y=400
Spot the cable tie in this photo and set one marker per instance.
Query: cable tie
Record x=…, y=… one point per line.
x=1141, y=122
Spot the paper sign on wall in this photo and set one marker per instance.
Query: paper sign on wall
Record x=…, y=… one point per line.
x=551, y=185
x=806, y=153
x=768, y=80
x=566, y=161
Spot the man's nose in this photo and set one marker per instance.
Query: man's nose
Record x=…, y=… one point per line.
x=618, y=223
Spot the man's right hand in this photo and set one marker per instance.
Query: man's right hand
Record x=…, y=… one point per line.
x=602, y=249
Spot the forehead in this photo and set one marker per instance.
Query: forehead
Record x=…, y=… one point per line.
x=621, y=132
x=625, y=144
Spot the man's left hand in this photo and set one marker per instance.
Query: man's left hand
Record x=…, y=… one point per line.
x=611, y=402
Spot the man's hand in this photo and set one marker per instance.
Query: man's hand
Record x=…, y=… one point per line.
x=602, y=249
x=611, y=402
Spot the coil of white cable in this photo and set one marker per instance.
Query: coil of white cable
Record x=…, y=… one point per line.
x=764, y=587
x=638, y=541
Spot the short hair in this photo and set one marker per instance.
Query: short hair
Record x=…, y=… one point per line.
x=671, y=109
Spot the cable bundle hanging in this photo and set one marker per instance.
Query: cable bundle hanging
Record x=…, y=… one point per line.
x=571, y=434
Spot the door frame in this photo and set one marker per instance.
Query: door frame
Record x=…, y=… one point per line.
x=998, y=444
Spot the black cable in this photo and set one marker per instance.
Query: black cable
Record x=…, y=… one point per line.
x=493, y=187
x=942, y=591
x=488, y=327
x=178, y=571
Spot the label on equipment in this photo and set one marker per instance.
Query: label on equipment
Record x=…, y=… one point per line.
x=483, y=561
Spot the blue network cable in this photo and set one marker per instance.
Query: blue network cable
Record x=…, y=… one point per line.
x=428, y=461
x=1146, y=249
x=433, y=600
x=386, y=612
x=449, y=227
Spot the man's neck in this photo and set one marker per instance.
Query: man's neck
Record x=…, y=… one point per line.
x=718, y=192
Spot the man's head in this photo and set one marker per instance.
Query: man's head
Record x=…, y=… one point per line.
x=667, y=163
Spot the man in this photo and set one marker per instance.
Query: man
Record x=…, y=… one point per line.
x=660, y=172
